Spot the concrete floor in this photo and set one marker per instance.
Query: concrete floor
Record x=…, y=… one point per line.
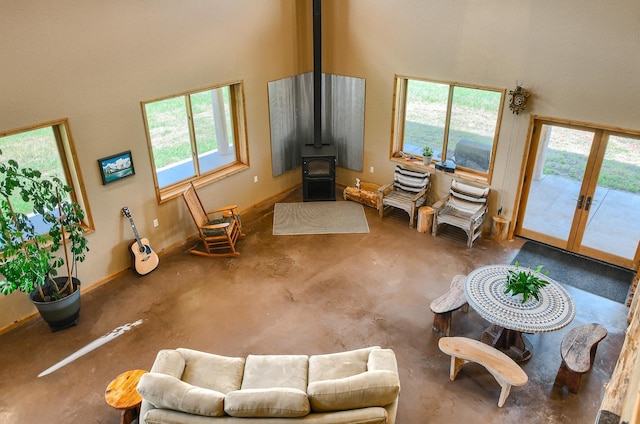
x=303, y=294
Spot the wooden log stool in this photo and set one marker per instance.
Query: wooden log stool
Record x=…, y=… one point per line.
x=121, y=394
x=578, y=351
x=504, y=369
x=443, y=306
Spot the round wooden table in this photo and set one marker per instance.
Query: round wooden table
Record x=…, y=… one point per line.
x=484, y=290
x=121, y=394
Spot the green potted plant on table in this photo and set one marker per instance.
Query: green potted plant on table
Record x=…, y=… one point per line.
x=427, y=155
x=525, y=282
x=29, y=256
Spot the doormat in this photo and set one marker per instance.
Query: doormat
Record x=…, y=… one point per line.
x=319, y=218
x=578, y=271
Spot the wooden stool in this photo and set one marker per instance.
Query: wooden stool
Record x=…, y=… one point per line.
x=578, y=351
x=505, y=370
x=121, y=394
x=443, y=306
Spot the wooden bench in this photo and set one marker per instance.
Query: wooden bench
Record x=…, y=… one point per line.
x=578, y=351
x=443, y=306
x=505, y=370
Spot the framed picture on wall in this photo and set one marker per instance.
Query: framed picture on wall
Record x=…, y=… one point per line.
x=116, y=167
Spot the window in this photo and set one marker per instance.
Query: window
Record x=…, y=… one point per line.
x=458, y=122
x=196, y=136
x=48, y=148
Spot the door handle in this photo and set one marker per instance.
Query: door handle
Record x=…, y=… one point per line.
x=588, y=204
x=580, y=200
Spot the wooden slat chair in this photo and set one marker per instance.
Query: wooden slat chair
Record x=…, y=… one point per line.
x=219, y=229
x=578, y=351
x=407, y=192
x=465, y=208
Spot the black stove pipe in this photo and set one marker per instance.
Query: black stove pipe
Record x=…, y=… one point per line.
x=317, y=73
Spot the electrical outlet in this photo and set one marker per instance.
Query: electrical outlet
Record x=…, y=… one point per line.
x=155, y=223
x=371, y=169
x=255, y=179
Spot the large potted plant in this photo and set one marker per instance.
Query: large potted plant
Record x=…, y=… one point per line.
x=31, y=255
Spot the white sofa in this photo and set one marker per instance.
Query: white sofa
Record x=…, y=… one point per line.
x=191, y=387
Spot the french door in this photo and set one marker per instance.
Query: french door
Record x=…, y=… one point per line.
x=581, y=191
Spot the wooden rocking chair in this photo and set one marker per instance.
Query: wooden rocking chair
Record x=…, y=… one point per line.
x=219, y=229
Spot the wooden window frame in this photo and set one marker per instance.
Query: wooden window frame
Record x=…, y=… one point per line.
x=241, y=145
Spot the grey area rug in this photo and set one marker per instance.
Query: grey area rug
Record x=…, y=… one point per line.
x=319, y=218
x=586, y=274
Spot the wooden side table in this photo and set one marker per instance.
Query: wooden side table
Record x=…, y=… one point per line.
x=121, y=394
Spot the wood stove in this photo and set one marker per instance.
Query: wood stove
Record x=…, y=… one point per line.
x=318, y=173
x=318, y=157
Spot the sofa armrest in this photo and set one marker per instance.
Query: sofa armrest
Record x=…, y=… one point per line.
x=170, y=362
x=382, y=360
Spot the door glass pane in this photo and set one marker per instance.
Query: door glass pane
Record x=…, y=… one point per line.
x=613, y=226
x=426, y=114
x=556, y=181
x=213, y=130
x=474, y=116
x=169, y=132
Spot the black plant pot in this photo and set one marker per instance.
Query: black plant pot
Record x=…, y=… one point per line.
x=61, y=313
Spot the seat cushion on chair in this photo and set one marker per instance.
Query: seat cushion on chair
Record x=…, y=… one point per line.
x=217, y=231
x=411, y=181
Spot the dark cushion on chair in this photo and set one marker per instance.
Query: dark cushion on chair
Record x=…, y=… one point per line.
x=217, y=231
x=411, y=181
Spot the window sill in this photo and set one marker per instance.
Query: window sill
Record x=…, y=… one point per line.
x=418, y=164
x=171, y=192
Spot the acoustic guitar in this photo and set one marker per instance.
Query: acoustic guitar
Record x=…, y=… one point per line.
x=144, y=258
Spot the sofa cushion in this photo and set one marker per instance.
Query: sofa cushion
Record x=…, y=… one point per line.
x=277, y=402
x=371, y=388
x=339, y=365
x=267, y=371
x=210, y=371
x=165, y=391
